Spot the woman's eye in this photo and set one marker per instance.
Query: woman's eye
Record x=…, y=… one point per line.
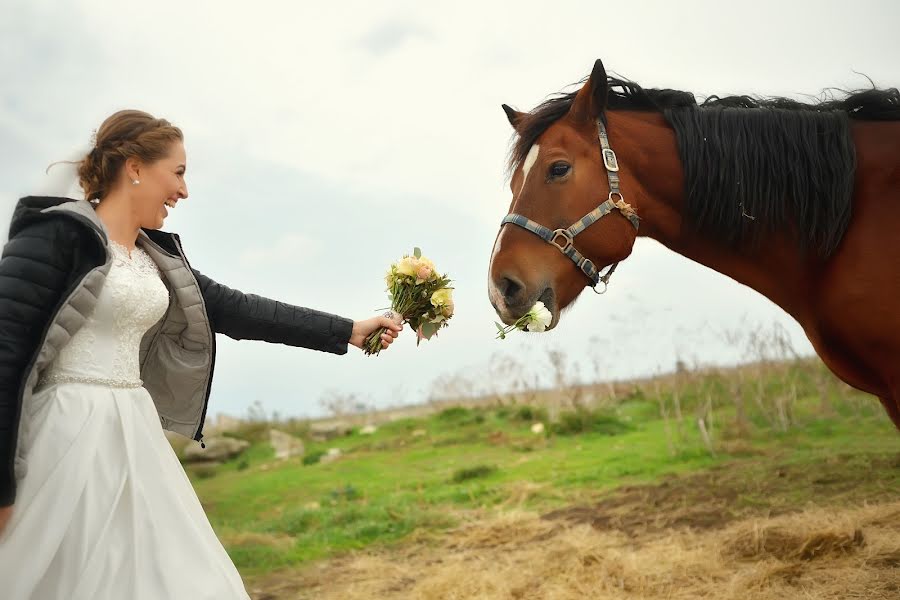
x=559, y=169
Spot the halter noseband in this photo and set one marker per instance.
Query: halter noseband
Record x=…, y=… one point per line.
x=564, y=239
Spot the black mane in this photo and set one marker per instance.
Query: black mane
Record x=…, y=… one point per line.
x=751, y=165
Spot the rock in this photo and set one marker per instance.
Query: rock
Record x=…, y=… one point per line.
x=327, y=430
x=225, y=423
x=368, y=430
x=285, y=445
x=332, y=455
x=217, y=449
x=537, y=428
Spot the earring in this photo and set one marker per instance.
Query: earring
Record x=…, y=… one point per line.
x=135, y=182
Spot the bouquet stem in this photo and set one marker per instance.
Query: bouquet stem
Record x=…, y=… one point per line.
x=372, y=344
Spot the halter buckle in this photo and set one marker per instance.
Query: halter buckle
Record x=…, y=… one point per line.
x=583, y=265
x=609, y=160
x=562, y=233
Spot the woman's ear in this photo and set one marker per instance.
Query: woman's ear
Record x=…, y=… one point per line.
x=133, y=169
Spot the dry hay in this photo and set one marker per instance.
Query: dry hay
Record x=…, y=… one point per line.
x=778, y=542
x=238, y=539
x=726, y=533
x=819, y=553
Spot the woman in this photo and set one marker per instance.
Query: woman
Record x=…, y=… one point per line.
x=107, y=338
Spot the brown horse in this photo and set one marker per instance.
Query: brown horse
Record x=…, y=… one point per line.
x=800, y=202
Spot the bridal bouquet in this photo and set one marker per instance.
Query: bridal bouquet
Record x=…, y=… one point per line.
x=536, y=319
x=419, y=295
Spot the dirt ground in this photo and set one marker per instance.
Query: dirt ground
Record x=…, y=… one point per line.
x=769, y=530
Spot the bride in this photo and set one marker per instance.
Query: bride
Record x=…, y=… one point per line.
x=107, y=337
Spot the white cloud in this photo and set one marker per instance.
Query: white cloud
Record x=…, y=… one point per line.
x=287, y=249
x=391, y=36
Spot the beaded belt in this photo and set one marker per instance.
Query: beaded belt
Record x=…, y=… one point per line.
x=115, y=383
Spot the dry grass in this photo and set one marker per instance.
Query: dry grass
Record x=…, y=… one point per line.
x=726, y=534
x=819, y=553
x=249, y=538
x=826, y=529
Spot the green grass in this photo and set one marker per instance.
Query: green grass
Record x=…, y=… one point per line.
x=472, y=473
x=421, y=474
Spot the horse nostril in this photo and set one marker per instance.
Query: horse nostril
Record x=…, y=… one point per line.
x=511, y=288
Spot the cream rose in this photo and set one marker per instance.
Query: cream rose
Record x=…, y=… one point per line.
x=389, y=279
x=408, y=266
x=442, y=297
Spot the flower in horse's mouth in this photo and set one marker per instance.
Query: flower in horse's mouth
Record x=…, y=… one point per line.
x=538, y=318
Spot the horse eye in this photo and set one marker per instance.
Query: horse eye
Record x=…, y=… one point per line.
x=559, y=169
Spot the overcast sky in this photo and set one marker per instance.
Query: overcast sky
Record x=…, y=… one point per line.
x=327, y=139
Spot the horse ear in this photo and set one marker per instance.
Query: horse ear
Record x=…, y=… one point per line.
x=514, y=116
x=590, y=101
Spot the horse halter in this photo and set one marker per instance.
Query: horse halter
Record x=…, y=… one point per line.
x=564, y=239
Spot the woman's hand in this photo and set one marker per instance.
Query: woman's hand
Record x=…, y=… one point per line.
x=5, y=516
x=362, y=329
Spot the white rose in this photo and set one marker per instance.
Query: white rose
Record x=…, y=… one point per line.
x=539, y=318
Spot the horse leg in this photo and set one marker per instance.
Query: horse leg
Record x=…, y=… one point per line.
x=891, y=402
x=845, y=364
x=848, y=367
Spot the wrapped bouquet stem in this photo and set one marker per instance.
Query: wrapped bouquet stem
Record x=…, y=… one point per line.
x=419, y=295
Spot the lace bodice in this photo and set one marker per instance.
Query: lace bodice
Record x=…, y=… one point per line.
x=106, y=349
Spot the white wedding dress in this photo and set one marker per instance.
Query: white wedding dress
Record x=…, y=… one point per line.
x=105, y=510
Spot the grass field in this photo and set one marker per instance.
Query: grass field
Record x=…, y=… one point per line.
x=776, y=441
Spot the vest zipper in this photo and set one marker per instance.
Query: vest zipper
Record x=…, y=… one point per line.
x=212, y=344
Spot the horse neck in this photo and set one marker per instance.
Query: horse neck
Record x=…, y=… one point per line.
x=653, y=182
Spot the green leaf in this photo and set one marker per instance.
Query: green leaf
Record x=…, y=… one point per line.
x=429, y=329
x=417, y=252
